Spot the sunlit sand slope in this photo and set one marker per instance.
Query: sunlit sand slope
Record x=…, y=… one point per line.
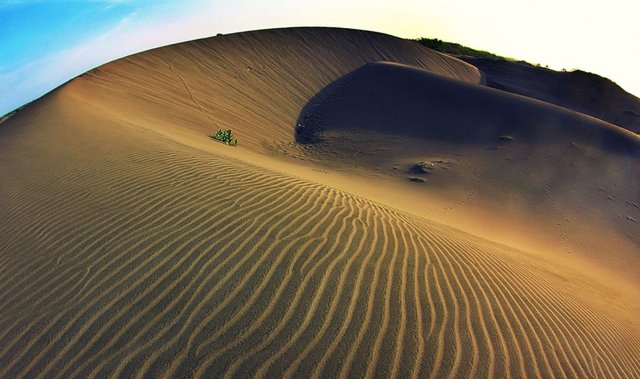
x=124, y=253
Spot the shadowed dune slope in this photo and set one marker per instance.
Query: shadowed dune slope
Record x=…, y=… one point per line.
x=578, y=90
x=488, y=148
x=125, y=253
x=401, y=99
x=133, y=246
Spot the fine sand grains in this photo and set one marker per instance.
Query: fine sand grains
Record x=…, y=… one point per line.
x=157, y=259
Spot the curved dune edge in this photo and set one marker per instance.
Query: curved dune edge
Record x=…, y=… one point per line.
x=130, y=249
x=578, y=90
x=167, y=260
x=255, y=83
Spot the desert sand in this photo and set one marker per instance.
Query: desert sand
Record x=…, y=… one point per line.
x=134, y=245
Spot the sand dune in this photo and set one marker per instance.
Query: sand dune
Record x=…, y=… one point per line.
x=248, y=82
x=415, y=102
x=517, y=158
x=135, y=246
x=578, y=90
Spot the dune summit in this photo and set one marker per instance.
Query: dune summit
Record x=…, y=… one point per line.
x=134, y=245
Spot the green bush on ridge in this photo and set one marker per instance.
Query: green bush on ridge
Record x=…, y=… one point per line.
x=457, y=49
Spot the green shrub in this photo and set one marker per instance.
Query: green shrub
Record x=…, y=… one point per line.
x=225, y=136
x=457, y=49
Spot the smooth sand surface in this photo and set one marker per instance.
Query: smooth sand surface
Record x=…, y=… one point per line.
x=133, y=245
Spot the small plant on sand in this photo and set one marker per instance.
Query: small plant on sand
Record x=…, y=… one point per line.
x=225, y=136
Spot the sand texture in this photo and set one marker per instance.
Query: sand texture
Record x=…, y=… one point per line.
x=133, y=245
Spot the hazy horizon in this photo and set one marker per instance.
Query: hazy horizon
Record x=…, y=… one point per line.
x=48, y=43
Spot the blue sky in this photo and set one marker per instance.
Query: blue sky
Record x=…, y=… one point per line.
x=45, y=43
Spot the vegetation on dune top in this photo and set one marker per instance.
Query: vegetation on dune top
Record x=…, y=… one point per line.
x=462, y=51
x=457, y=49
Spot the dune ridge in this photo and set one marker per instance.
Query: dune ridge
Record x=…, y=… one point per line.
x=578, y=90
x=135, y=246
x=233, y=81
x=400, y=93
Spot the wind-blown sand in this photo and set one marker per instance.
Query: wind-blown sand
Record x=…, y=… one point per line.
x=133, y=245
